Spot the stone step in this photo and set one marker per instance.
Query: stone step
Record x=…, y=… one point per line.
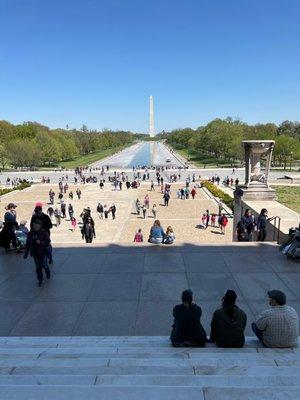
x=150, y=380
x=252, y=393
x=96, y=339
x=195, y=360
x=241, y=370
x=99, y=392
x=146, y=393
x=133, y=351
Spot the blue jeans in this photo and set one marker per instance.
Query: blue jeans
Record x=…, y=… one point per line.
x=258, y=333
x=41, y=262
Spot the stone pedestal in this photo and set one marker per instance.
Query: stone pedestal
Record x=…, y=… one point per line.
x=256, y=186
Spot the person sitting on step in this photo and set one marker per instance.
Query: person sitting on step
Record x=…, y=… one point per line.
x=187, y=330
x=228, y=323
x=277, y=326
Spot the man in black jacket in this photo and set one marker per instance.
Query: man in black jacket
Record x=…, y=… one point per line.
x=38, y=214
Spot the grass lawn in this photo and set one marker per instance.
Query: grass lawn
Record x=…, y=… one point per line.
x=202, y=160
x=91, y=158
x=289, y=196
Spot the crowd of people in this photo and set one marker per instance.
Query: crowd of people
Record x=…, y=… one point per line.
x=276, y=327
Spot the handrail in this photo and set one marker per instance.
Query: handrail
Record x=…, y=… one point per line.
x=276, y=235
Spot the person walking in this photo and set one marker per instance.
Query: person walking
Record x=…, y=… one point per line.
x=73, y=223
x=78, y=192
x=106, y=211
x=46, y=224
x=88, y=231
x=63, y=209
x=187, y=330
x=207, y=213
x=213, y=220
x=144, y=210
x=70, y=211
x=223, y=221
x=203, y=220
x=152, y=186
x=138, y=206
x=51, y=196
x=166, y=198
x=50, y=212
x=228, y=323
x=154, y=210
x=220, y=207
x=193, y=193
x=147, y=201
x=100, y=210
x=182, y=194
x=37, y=244
x=113, y=210
x=277, y=326
x=57, y=215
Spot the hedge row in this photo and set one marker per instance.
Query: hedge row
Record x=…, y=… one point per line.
x=21, y=186
x=216, y=192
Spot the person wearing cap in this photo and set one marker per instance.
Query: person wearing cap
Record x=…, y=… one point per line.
x=37, y=244
x=228, y=323
x=277, y=326
x=10, y=225
x=187, y=329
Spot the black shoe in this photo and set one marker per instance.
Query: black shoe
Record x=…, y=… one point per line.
x=50, y=260
x=40, y=283
x=48, y=274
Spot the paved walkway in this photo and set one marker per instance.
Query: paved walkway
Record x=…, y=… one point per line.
x=183, y=215
x=130, y=290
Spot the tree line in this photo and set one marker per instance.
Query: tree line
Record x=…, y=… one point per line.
x=222, y=138
x=33, y=145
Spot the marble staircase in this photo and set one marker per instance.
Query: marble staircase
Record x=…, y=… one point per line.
x=144, y=368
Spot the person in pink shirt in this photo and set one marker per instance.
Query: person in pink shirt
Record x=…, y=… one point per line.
x=146, y=201
x=213, y=219
x=138, y=236
x=73, y=223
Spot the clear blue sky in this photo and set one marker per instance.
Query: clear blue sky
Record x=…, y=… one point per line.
x=96, y=62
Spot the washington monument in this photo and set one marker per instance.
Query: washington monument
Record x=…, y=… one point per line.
x=151, y=127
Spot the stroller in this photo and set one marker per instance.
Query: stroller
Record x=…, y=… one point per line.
x=292, y=246
x=21, y=236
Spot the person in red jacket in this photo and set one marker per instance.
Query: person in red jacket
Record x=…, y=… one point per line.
x=37, y=244
x=193, y=193
x=223, y=221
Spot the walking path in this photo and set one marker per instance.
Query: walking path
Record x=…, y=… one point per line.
x=183, y=215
